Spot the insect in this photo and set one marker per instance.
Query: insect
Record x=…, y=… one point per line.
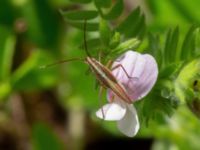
x=102, y=73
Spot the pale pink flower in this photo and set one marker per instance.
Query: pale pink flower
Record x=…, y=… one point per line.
x=143, y=70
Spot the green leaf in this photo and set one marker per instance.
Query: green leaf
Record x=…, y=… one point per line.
x=196, y=42
x=161, y=106
x=7, y=13
x=137, y=27
x=186, y=77
x=44, y=138
x=80, y=14
x=115, y=40
x=7, y=47
x=105, y=32
x=26, y=67
x=187, y=46
x=186, y=9
x=166, y=49
x=80, y=25
x=174, y=44
x=43, y=24
x=29, y=75
x=170, y=51
x=141, y=28
x=115, y=11
x=154, y=48
x=123, y=47
x=102, y=3
x=127, y=25
x=167, y=71
x=93, y=44
x=5, y=90
x=81, y=1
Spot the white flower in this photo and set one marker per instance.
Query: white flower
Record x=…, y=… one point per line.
x=143, y=71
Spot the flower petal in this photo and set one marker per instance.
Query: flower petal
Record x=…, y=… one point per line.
x=146, y=80
x=141, y=67
x=128, y=61
x=112, y=111
x=110, y=95
x=129, y=125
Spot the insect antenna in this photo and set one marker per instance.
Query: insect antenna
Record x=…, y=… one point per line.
x=85, y=43
x=61, y=62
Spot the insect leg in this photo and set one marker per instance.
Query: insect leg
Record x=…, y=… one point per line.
x=100, y=100
x=120, y=65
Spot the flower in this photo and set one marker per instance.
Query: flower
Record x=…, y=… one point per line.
x=142, y=74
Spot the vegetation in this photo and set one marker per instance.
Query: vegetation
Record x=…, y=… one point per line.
x=54, y=108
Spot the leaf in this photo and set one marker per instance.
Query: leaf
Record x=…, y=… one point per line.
x=115, y=11
x=174, y=44
x=81, y=1
x=29, y=75
x=43, y=24
x=102, y=3
x=7, y=47
x=80, y=14
x=137, y=27
x=196, y=42
x=93, y=44
x=166, y=49
x=7, y=13
x=141, y=28
x=127, y=24
x=44, y=138
x=105, y=32
x=170, y=50
x=115, y=40
x=185, y=10
x=124, y=46
x=154, y=48
x=80, y=25
x=187, y=46
x=161, y=106
x=167, y=71
x=5, y=90
x=185, y=79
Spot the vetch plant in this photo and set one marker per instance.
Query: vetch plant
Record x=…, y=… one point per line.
x=113, y=37
x=142, y=74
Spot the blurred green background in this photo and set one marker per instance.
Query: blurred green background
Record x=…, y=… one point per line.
x=54, y=108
